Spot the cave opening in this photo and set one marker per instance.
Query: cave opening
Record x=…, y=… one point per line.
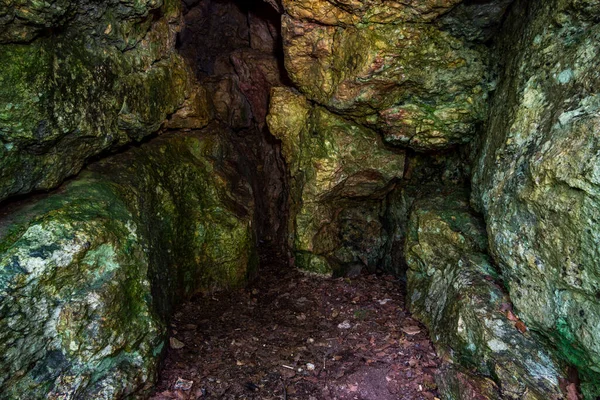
x=313, y=199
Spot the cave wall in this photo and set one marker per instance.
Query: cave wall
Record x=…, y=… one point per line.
x=536, y=176
x=510, y=96
x=91, y=273
x=78, y=78
x=382, y=92
x=384, y=117
x=233, y=49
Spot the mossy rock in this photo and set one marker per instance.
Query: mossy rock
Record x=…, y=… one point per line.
x=536, y=177
x=341, y=173
x=453, y=289
x=421, y=87
x=99, y=77
x=90, y=274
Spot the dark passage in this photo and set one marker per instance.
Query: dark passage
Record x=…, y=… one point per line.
x=235, y=51
x=287, y=335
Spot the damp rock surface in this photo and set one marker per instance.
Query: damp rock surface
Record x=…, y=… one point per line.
x=340, y=173
x=78, y=79
x=90, y=274
x=536, y=178
x=453, y=290
x=397, y=67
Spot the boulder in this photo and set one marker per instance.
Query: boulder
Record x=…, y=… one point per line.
x=90, y=274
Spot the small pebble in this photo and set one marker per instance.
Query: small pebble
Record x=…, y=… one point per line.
x=345, y=325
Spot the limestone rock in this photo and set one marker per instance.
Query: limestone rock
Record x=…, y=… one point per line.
x=421, y=87
x=195, y=113
x=336, y=12
x=340, y=173
x=537, y=179
x=476, y=21
x=90, y=274
x=455, y=384
x=452, y=289
x=258, y=72
x=110, y=77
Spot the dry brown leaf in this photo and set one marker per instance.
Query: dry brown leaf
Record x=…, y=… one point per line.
x=511, y=316
x=572, y=393
x=411, y=330
x=521, y=327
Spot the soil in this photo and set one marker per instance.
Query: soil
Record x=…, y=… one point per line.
x=291, y=335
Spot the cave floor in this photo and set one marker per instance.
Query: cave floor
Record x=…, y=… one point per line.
x=291, y=335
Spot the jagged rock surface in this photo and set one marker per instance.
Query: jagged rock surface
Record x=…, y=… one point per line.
x=340, y=173
x=90, y=275
x=78, y=78
x=536, y=178
x=453, y=291
x=391, y=67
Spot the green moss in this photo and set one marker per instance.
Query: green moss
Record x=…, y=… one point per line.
x=420, y=86
x=452, y=290
x=92, y=272
x=69, y=97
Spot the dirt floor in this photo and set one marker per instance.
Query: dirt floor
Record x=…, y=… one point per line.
x=295, y=336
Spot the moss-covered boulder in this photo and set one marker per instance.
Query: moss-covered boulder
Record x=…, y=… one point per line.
x=80, y=78
x=77, y=319
x=420, y=86
x=453, y=290
x=340, y=173
x=90, y=274
x=537, y=176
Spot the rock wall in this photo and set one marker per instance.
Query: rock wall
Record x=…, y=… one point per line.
x=233, y=49
x=389, y=66
x=536, y=177
x=89, y=275
x=455, y=290
x=376, y=81
x=340, y=172
x=78, y=78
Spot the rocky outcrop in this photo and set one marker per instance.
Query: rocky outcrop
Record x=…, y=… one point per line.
x=78, y=78
x=391, y=66
x=340, y=173
x=536, y=178
x=89, y=275
x=453, y=290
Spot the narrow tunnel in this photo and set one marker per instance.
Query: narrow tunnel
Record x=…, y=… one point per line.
x=307, y=199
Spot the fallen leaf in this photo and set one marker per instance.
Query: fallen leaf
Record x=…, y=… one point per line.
x=176, y=344
x=572, y=392
x=411, y=330
x=183, y=384
x=511, y=316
